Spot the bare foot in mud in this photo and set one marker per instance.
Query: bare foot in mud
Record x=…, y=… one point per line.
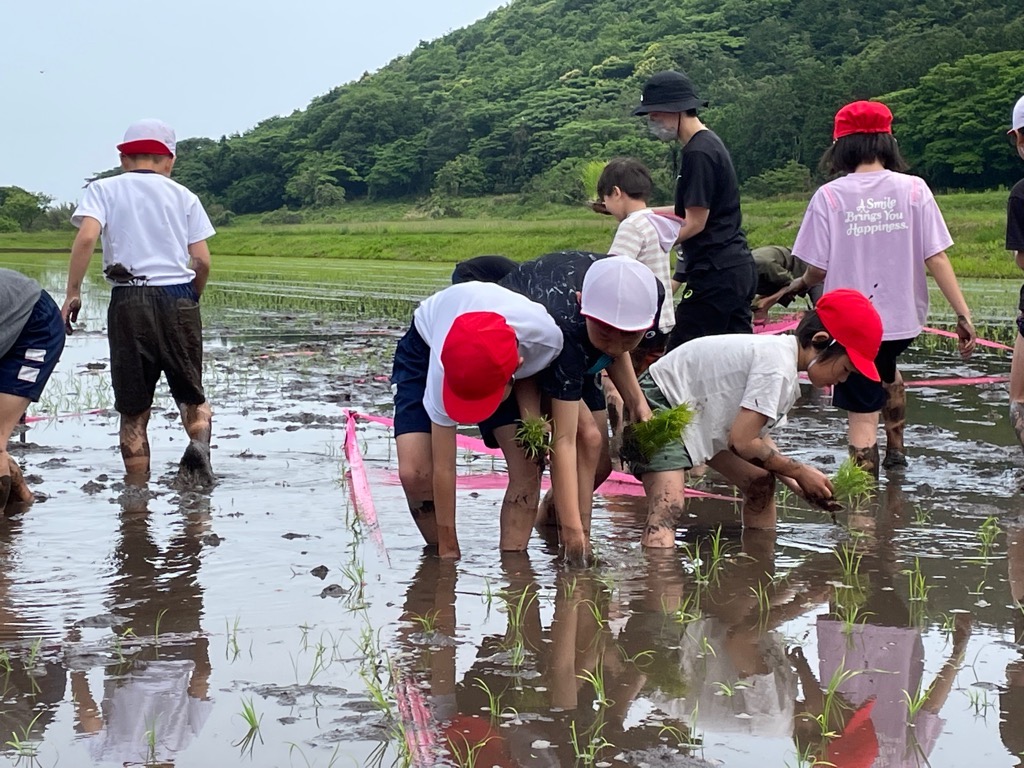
x=20, y=493
x=195, y=469
x=894, y=459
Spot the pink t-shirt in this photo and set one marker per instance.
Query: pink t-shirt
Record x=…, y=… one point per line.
x=873, y=232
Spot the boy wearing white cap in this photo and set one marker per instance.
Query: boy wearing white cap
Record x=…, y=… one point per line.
x=467, y=348
x=1015, y=243
x=603, y=306
x=155, y=257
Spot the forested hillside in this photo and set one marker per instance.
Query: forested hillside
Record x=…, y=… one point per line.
x=519, y=100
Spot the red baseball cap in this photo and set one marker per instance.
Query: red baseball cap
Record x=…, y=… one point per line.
x=148, y=137
x=857, y=745
x=862, y=117
x=480, y=355
x=852, y=320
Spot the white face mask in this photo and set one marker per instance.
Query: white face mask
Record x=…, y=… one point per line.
x=661, y=131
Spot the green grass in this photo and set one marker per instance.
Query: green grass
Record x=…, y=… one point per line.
x=512, y=226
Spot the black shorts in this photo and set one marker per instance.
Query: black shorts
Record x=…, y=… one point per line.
x=154, y=330
x=27, y=366
x=859, y=394
x=715, y=301
x=409, y=379
x=508, y=411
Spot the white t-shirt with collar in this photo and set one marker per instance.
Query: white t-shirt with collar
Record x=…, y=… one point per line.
x=540, y=339
x=147, y=224
x=718, y=375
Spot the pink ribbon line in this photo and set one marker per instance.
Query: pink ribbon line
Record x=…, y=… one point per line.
x=617, y=483
x=359, y=486
x=980, y=342
x=34, y=419
x=420, y=735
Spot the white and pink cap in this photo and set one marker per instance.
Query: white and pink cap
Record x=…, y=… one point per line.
x=148, y=137
x=1017, y=120
x=620, y=292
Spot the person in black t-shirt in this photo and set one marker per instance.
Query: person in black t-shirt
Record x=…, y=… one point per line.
x=716, y=263
x=1015, y=243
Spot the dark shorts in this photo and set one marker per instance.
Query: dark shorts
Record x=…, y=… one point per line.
x=154, y=330
x=859, y=394
x=409, y=379
x=715, y=301
x=27, y=366
x=483, y=269
x=508, y=411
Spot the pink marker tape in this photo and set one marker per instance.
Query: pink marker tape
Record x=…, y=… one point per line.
x=359, y=487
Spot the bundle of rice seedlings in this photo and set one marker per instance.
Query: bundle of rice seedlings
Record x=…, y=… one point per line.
x=534, y=436
x=852, y=484
x=642, y=441
x=589, y=175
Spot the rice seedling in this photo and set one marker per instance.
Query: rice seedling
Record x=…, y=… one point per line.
x=916, y=701
x=978, y=701
x=596, y=679
x=922, y=517
x=466, y=754
x=293, y=747
x=849, y=561
x=253, y=721
x=987, y=533
x=642, y=440
x=534, y=436
x=764, y=602
x=832, y=702
x=639, y=659
x=852, y=485
x=588, y=745
x=725, y=689
x=5, y=661
x=151, y=743
x=231, y=649
x=22, y=744
x=426, y=622
x=156, y=627
x=917, y=582
x=688, y=610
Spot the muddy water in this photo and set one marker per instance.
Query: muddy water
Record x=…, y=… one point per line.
x=139, y=624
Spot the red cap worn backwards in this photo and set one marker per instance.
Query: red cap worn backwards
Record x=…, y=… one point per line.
x=851, y=320
x=862, y=117
x=148, y=137
x=480, y=355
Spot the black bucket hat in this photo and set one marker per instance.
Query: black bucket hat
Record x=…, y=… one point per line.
x=668, y=92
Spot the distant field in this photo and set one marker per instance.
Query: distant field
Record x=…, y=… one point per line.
x=392, y=232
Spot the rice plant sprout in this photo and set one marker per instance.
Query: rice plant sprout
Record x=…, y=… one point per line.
x=534, y=436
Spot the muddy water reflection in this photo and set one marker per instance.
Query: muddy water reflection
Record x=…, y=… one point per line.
x=138, y=623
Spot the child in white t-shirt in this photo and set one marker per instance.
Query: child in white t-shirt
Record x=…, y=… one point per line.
x=155, y=257
x=468, y=346
x=740, y=386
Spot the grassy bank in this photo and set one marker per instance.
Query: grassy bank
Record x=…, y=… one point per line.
x=397, y=232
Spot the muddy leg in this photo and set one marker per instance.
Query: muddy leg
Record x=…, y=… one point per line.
x=863, y=438
x=12, y=486
x=195, y=467
x=416, y=473
x=135, y=444
x=755, y=484
x=666, y=501
x=866, y=458
x=519, y=505
x=894, y=417
x=1017, y=420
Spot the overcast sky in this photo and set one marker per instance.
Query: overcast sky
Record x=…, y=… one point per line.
x=74, y=74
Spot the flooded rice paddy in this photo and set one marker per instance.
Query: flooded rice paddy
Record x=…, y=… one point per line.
x=264, y=624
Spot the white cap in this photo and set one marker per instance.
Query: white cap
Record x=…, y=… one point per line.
x=1017, y=121
x=620, y=292
x=148, y=137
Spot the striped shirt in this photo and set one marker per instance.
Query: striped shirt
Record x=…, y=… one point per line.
x=638, y=238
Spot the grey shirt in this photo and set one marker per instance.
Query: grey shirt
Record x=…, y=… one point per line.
x=18, y=296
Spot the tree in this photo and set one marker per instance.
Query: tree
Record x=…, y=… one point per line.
x=463, y=175
x=22, y=206
x=318, y=180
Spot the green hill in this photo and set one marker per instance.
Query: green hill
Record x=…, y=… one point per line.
x=518, y=101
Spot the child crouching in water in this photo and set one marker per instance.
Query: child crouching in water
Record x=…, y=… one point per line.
x=741, y=386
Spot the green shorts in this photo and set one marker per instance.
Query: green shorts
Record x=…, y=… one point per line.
x=674, y=455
